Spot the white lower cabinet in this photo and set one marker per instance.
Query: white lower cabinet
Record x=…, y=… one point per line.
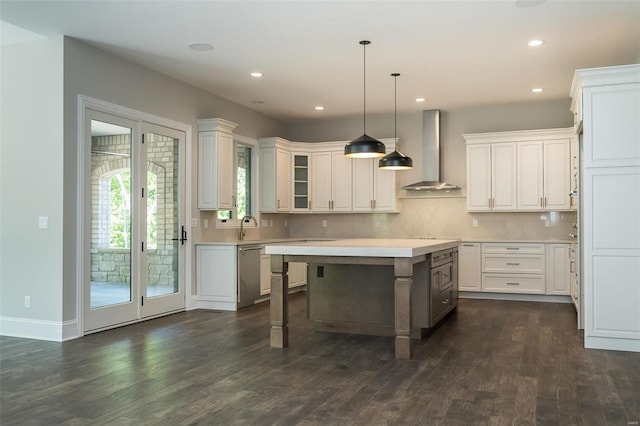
x=470, y=267
x=297, y=274
x=513, y=268
x=524, y=268
x=559, y=269
x=265, y=273
x=216, y=277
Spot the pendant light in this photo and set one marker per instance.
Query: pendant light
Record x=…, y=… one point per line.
x=395, y=160
x=364, y=146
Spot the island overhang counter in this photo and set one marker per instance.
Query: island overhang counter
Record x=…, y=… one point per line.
x=400, y=254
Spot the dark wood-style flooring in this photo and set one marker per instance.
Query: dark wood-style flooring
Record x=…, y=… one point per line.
x=493, y=362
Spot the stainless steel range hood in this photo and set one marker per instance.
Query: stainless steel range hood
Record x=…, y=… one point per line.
x=431, y=159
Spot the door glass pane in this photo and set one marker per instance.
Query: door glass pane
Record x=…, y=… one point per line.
x=110, y=214
x=162, y=214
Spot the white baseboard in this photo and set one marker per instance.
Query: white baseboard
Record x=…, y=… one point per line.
x=39, y=329
x=216, y=305
x=612, y=344
x=515, y=297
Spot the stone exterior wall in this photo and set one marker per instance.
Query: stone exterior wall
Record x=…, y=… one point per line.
x=111, y=155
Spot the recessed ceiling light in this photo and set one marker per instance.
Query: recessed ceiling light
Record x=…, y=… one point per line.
x=256, y=74
x=535, y=43
x=537, y=89
x=319, y=108
x=420, y=99
x=200, y=46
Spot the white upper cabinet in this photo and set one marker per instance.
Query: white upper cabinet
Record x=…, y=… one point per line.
x=216, y=186
x=491, y=176
x=300, y=172
x=374, y=189
x=544, y=175
x=331, y=189
x=275, y=175
x=519, y=171
x=299, y=177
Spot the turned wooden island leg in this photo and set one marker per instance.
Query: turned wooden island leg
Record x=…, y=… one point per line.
x=403, y=270
x=279, y=302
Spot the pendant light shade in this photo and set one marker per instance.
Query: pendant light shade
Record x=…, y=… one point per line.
x=364, y=146
x=395, y=160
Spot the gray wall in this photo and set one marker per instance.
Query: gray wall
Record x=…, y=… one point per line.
x=91, y=72
x=31, y=170
x=41, y=82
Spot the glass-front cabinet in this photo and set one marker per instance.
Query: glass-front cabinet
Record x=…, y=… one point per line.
x=300, y=174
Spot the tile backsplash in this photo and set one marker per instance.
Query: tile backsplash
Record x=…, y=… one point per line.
x=435, y=217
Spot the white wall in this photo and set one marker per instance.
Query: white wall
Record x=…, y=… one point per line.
x=31, y=181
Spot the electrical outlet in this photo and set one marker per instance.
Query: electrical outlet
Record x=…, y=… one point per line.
x=27, y=301
x=206, y=223
x=320, y=271
x=474, y=223
x=194, y=222
x=324, y=223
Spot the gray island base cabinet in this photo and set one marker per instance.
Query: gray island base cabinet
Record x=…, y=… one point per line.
x=411, y=285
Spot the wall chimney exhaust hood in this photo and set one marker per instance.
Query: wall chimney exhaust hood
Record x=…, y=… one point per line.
x=431, y=159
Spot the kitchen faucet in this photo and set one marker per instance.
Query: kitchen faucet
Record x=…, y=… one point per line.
x=242, y=222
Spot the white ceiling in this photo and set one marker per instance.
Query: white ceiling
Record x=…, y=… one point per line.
x=453, y=53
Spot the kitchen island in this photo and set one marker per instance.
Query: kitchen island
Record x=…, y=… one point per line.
x=434, y=260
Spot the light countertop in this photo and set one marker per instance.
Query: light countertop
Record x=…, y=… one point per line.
x=365, y=247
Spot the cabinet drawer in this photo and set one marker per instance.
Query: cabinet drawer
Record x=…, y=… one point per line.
x=517, y=264
x=441, y=277
x=513, y=283
x=441, y=303
x=441, y=257
x=516, y=248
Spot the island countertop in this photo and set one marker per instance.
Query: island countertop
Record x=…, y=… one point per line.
x=363, y=247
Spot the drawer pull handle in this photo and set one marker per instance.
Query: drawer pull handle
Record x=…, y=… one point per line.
x=445, y=302
x=513, y=248
x=513, y=283
x=513, y=263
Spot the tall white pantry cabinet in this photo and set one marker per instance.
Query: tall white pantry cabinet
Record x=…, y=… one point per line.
x=606, y=103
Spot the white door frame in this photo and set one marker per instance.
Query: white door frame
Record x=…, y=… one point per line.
x=87, y=103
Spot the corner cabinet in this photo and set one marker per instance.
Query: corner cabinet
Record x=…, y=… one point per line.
x=519, y=171
x=301, y=177
x=216, y=187
x=275, y=175
x=609, y=101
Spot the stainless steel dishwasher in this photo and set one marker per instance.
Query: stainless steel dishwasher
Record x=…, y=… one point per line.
x=248, y=274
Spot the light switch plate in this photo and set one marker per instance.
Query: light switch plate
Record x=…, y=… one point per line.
x=43, y=222
x=194, y=222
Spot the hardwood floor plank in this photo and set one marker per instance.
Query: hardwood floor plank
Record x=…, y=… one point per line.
x=492, y=363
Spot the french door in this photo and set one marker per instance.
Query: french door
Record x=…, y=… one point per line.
x=134, y=233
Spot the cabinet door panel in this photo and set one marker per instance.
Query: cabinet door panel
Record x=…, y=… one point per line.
x=341, y=170
x=320, y=182
x=283, y=180
x=530, y=176
x=503, y=178
x=363, y=184
x=478, y=177
x=384, y=189
x=557, y=175
x=469, y=267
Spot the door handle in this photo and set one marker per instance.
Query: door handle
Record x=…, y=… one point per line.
x=183, y=236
